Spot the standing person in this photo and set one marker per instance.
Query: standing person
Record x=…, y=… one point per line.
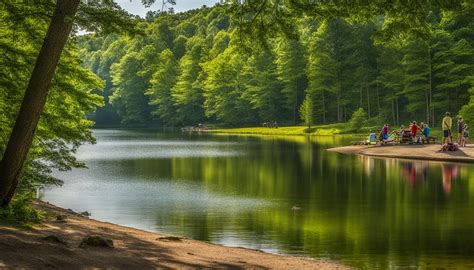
x=446, y=124
x=460, y=127
x=465, y=135
x=414, y=130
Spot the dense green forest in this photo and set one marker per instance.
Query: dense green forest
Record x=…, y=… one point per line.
x=196, y=67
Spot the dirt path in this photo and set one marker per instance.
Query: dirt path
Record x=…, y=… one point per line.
x=420, y=152
x=133, y=249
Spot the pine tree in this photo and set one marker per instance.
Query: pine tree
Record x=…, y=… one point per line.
x=417, y=64
x=306, y=110
x=262, y=88
x=291, y=65
x=390, y=79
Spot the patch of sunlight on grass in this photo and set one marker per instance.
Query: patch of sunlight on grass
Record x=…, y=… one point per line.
x=328, y=130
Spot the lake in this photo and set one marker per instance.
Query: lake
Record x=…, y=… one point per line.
x=284, y=195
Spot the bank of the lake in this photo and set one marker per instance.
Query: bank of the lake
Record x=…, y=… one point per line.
x=319, y=130
x=419, y=152
x=332, y=129
x=23, y=248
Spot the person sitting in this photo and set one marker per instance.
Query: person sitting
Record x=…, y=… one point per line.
x=384, y=133
x=465, y=135
x=425, y=131
x=372, y=138
x=449, y=147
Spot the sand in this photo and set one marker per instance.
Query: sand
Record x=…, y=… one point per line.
x=22, y=248
x=419, y=152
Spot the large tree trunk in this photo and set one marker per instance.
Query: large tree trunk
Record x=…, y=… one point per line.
x=35, y=98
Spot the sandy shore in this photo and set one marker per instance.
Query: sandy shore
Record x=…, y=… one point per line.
x=420, y=152
x=22, y=248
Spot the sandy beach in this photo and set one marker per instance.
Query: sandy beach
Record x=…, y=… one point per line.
x=419, y=152
x=22, y=248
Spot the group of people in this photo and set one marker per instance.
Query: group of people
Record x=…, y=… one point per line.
x=412, y=133
x=419, y=133
x=461, y=127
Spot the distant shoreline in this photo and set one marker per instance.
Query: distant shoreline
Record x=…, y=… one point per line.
x=414, y=152
x=133, y=248
x=323, y=130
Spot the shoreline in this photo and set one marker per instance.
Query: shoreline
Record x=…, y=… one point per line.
x=25, y=248
x=412, y=152
x=328, y=130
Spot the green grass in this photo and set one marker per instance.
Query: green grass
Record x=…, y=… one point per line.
x=332, y=129
x=320, y=130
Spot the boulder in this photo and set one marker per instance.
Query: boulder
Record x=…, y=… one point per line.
x=85, y=214
x=61, y=218
x=55, y=239
x=96, y=241
x=170, y=239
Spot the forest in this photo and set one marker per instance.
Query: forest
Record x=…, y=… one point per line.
x=196, y=67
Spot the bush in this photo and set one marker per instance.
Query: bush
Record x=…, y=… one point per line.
x=358, y=119
x=21, y=211
x=467, y=112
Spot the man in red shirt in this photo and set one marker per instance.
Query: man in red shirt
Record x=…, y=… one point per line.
x=414, y=130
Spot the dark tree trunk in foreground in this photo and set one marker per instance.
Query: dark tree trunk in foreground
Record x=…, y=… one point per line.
x=35, y=98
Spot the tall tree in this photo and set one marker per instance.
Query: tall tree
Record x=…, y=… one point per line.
x=187, y=93
x=306, y=110
x=35, y=98
x=417, y=68
x=129, y=90
x=291, y=63
x=262, y=88
x=390, y=79
x=160, y=91
x=36, y=93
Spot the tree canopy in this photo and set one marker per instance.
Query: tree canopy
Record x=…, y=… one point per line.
x=340, y=58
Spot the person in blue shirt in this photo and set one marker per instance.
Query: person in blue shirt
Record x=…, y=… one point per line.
x=372, y=137
x=426, y=130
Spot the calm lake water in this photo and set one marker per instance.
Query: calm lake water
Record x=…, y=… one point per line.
x=241, y=191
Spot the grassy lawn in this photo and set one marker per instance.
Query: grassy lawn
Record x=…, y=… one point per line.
x=332, y=129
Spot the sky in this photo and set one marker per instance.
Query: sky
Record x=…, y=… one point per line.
x=136, y=7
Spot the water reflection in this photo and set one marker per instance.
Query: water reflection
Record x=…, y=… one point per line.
x=450, y=173
x=364, y=211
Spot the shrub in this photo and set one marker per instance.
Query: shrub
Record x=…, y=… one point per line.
x=358, y=119
x=467, y=112
x=21, y=211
